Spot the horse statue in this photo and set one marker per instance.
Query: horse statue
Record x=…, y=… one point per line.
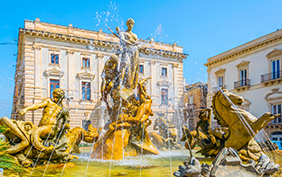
x=239, y=127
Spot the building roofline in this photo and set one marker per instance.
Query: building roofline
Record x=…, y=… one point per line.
x=38, y=25
x=90, y=41
x=246, y=48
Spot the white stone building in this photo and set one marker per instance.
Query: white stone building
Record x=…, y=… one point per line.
x=53, y=56
x=252, y=70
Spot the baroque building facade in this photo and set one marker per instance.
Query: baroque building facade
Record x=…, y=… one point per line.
x=252, y=70
x=53, y=56
x=194, y=99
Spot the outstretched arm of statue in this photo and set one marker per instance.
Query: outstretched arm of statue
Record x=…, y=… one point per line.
x=34, y=106
x=219, y=134
x=197, y=129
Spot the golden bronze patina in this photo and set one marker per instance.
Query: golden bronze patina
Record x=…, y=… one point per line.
x=51, y=140
x=127, y=134
x=239, y=128
x=167, y=138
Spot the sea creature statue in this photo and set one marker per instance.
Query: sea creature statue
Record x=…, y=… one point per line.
x=51, y=140
x=239, y=128
x=228, y=163
x=167, y=138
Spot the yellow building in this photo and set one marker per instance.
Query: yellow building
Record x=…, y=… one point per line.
x=53, y=56
x=194, y=99
x=252, y=70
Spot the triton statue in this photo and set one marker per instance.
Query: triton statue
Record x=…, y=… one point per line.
x=51, y=140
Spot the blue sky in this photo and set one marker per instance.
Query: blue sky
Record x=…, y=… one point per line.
x=204, y=28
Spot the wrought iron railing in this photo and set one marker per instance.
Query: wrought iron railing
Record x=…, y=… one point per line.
x=271, y=76
x=242, y=83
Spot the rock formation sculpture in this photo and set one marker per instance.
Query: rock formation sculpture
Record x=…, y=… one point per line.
x=228, y=163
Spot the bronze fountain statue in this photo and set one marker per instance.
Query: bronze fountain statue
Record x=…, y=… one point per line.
x=231, y=145
x=127, y=134
x=51, y=140
x=167, y=137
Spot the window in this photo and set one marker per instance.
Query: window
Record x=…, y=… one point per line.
x=243, y=77
x=220, y=81
x=86, y=62
x=86, y=90
x=164, y=96
x=191, y=99
x=276, y=136
x=275, y=69
x=141, y=69
x=55, y=58
x=276, y=109
x=164, y=72
x=54, y=84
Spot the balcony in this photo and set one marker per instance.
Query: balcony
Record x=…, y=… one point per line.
x=271, y=78
x=242, y=84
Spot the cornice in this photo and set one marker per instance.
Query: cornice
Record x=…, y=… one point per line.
x=90, y=41
x=164, y=83
x=219, y=71
x=53, y=72
x=85, y=75
x=245, y=48
x=274, y=91
x=274, y=53
x=242, y=64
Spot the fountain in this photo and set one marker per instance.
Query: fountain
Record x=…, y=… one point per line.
x=123, y=146
x=127, y=134
x=230, y=146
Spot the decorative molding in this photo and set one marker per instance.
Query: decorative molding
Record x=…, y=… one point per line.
x=85, y=69
x=274, y=91
x=242, y=64
x=100, y=55
x=70, y=52
x=86, y=76
x=274, y=53
x=38, y=47
x=54, y=50
x=164, y=83
x=220, y=71
x=246, y=48
x=86, y=55
x=163, y=64
x=153, y=62
x=175, y=65
x=275, y=97
x=53, y=72
x=54, y=65
x=110, y=44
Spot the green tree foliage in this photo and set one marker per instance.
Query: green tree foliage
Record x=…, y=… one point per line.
x=7, y=161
